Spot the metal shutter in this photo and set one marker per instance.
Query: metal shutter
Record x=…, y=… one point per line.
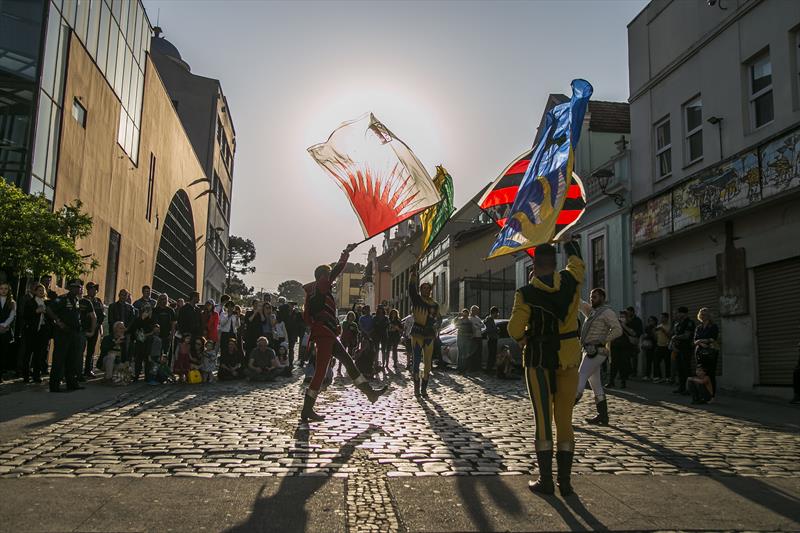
x=694, y=295
x=777, y=327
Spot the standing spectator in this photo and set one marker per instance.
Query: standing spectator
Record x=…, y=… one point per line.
x=210, y=320
x=183, y=358
x=209, y=362
x=261, y=362
x=100, y=316
x=231, y=363
x=89, y=325
x=189, y=318
x=648, y=345
x=476, y=354
x=492, y=335
x=8, y=312
x=662, y=334
x=121, y=310
x=682, y=335
x=144, y=300
x=254, y=322
x=154, y=358
x=380, y=336
x=279, y=333
x=268, y=323
x=20, y=351
x=166, y=319
x=180, y=302
x=621, y=349
x=228, y=326
x=295, y=328
x=38, y=329
x=223, y=302
x=66, y=316
x=349, y=339
x=46, y=280
x=706, y=346
x=395, y=332
x=113, y=350
x=141, y=331
x=464, y=331
x=634, y=324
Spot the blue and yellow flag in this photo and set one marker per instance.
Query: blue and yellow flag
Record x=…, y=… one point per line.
x=534, y=215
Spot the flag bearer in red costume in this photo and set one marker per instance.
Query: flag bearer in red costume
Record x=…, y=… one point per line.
x=320, y=314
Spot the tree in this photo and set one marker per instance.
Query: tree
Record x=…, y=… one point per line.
x=36, y=240
x=241, y=252
x=292, y=290
x=239, y=291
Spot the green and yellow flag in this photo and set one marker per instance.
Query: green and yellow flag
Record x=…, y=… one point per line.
x=436, y=216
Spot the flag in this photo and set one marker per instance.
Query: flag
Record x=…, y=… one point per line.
x=499, y=197
x=435, y=217
x=382, y=178
x=541, y=195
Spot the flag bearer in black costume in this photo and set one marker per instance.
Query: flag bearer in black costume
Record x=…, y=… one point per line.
x=425, y=311
x=544, y=321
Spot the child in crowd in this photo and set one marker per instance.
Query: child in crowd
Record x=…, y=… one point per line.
x=699, y=386
x=209, y=363
x=183, y=359
x=283, y=361
x=504, y=363
x=154, y=357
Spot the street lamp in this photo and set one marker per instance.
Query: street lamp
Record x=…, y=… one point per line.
x=717, y=121
x=603, y=177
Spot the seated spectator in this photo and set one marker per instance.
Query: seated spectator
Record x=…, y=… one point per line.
x=283, y=366
x=504, y=363
x=700, y=386
x=114, y=350
x=196, y=353
x=261, y=363
x=209, y=363
x=231, y=363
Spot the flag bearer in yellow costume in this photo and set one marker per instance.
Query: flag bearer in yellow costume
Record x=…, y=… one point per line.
x=425, y=311
x=544, y=321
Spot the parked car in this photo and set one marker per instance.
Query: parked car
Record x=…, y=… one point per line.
x=448, y=337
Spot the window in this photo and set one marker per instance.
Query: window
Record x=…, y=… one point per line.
x=663, y=149
x=79, y=113
x=443, y=280
x=693, y=123
x=112, y=265
x=598, y=248
x=761, y=108
x=150, y=186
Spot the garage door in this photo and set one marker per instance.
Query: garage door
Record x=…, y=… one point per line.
x=694, y=295
x=777, y=320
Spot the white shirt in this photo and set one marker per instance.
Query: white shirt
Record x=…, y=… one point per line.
x=228, y=323
x=477, y=326
x=279, y=330
x=601, y=325
x=12, y=315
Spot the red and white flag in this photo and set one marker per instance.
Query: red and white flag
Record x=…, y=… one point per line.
x=382, y=178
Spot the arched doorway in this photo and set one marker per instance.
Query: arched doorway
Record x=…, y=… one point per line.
x=176, y=262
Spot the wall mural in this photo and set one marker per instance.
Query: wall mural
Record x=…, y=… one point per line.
x=732, y=185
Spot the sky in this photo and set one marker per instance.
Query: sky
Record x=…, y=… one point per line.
x=464, y=84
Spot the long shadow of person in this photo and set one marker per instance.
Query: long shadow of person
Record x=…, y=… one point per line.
x=269, y=512
x=751, y=488
x=472, y=489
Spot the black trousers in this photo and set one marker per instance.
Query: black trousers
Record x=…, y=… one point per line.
x=141, y=353
x=699, y=392
x=66, y=359
x=34, y=354
x=709, y=363
x=394, y=342
x=292, y=342
x=491, y=347
x=684, y=363
x=620, y=364
x=662, y=353
x=91, y=345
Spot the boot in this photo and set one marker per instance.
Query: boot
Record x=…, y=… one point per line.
x=564, y=462
x=578, y=398
x=423, y=390
x=544, y=485
x=602, y=414
x=416, y=386
x=371, y=394
x=308, y=414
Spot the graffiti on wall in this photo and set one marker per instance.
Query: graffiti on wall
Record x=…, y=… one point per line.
x=780, y=164
x=686, y=204
x=732, y=185
x=653, y=219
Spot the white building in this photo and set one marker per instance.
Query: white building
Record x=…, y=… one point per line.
x=715, y=133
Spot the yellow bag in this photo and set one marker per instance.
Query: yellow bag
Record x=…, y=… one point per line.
x=194, y=377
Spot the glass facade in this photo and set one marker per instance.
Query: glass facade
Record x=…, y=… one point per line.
x=34, y=41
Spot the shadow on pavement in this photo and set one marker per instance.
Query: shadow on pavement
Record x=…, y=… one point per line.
x=472, y=489
x=750, y=488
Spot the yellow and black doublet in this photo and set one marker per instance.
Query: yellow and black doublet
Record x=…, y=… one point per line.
x=425, y=312
x=545, y=314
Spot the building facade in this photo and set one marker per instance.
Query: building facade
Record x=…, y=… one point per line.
x=715, y=166
x=89, y=118
x=347, y=289
x=206, y=117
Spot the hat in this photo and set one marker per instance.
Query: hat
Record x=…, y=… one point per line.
x=210, y=301
x=75, y=283
x=92, y=285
